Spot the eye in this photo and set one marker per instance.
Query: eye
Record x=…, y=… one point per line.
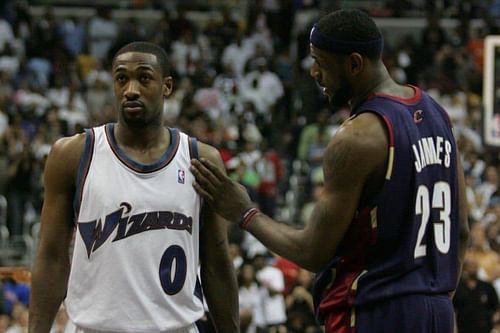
x=120, y=78
x=145, y=77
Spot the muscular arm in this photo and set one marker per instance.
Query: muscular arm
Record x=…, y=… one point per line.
x=52, y=263
x=217, y=272
x=356, y=153
x=359, y=148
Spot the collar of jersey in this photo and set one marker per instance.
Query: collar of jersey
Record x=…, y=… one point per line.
x=163, y=161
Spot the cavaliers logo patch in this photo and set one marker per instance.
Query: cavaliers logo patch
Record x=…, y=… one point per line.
x=181, y=176
x=418, y=116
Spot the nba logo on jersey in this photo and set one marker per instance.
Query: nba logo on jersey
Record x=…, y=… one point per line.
x=181, y=176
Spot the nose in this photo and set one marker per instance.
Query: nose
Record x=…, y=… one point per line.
x=132, y=90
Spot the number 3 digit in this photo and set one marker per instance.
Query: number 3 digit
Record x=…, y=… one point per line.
x=173, y=284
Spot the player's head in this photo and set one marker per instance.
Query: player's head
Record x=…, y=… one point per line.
x=343, y=43
x=141, y=81
x=150, y=48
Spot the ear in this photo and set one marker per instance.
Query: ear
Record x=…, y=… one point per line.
x=168, y=86
x=355, y=64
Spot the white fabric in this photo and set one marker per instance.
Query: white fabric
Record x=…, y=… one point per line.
x=6, y=34
x=71, y=328
x=114, y=285
x=252, y=299
x=274, y=305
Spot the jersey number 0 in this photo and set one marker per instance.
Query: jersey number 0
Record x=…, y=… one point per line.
x=172, y=277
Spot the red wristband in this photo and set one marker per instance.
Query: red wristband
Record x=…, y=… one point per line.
x=247, y=217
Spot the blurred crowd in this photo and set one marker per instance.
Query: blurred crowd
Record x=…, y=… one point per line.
x=242, y=84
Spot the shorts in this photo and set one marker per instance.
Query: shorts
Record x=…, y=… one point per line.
x=404, y=314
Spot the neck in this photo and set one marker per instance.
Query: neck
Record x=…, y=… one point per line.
x=380, y=81
x=140, y=138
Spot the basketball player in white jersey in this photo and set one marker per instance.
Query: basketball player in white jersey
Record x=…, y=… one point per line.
x=140, y=232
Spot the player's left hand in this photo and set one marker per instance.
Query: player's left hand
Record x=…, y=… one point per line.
x=227, y=198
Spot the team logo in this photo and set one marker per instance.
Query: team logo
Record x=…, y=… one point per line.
x=181, y=176
x=95, y=233
x=418, y=116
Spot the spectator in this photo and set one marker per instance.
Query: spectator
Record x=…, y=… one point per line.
x=480, y=251
x=236, y=55
x=251, y=301
x=299, y=304
x=103, y=32
x=19, y=323
x=19, y=187
x=475, y=301
x=262, y=87
x=271, y=279
x=6, y=33
x=186, y=54
x=4, y=323
x=16, y=295
x=73, y=32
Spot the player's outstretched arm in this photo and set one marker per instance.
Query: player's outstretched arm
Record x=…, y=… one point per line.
x=217, y=271
x=52, y=262
x=358, y=152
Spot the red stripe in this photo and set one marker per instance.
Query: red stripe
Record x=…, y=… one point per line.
x=390, y=130
x=411, y=100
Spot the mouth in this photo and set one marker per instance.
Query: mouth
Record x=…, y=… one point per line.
x=132, y=109
x=132, y=106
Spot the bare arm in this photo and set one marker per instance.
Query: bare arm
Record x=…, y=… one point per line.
x=357, y=150
x=217, y=272
x=52, y=263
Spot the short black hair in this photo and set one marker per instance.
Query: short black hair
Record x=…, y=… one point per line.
x=351, y=25
x=151, y=48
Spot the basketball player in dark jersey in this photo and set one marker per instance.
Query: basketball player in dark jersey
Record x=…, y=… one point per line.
x=387, y=238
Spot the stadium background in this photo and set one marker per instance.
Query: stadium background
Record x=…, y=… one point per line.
x=242, y=84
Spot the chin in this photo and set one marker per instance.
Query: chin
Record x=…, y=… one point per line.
x=340, y=99
x=134, y=121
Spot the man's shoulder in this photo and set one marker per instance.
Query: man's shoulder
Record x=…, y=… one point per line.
x=68, y=150
x=208, y=151
x=69, y=144
x=363, y=131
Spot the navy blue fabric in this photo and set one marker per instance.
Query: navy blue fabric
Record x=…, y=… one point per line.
x=392, y=266
x=333, y=45
x=407, y=314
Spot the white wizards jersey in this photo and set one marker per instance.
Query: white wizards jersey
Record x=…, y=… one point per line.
x=135, y=259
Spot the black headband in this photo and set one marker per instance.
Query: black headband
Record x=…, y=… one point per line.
x=333, y=45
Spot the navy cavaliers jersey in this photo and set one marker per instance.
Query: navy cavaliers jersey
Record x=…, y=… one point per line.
x=136, y=253
x=406, y=241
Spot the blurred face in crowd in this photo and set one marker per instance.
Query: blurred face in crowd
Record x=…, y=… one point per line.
x=328, y=71
x=470, y=269
x=492, y=175
x=247, y=274
x=478, y=236
x=139, y=88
